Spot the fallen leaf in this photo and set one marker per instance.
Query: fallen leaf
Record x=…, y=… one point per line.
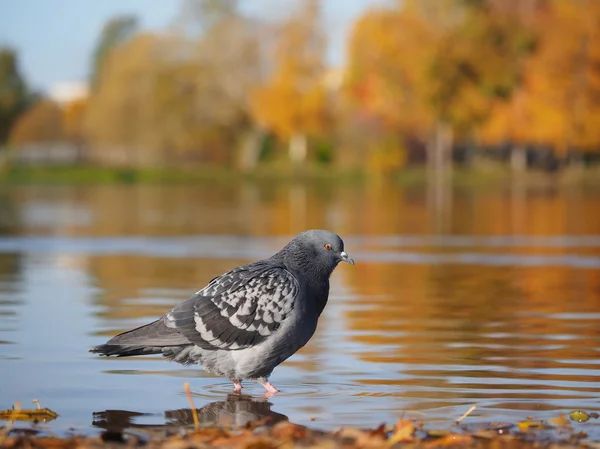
x=579, y=416
x=361, y=438
x=403, y=432
x=209, y=434
x=38, y=414
x=453, y=439
x=526, y=425
x=289, y=431
x=561, y=421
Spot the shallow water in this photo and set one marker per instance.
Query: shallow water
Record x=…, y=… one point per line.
x=486, y=297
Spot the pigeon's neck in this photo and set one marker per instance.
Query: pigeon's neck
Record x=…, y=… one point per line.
x=311, y=275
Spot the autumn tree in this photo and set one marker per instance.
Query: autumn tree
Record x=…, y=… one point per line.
x=233, y=52
x=115, y=32
x=433, y=69
x=13, y=92
x=41, y=123
x=292, y=103
x=182, y=96
x=557, y=105
x=121, y=122
x=386, y=82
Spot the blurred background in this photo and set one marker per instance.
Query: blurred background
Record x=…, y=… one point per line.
x=370, y=86
x=148, y=146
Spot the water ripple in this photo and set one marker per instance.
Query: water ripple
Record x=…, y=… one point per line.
x=226, y=247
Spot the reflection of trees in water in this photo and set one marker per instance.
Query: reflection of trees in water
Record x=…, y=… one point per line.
x=246, y=208
x=138, y=287
x=236, y=410
x=433, y=317
x=267, y=208
x=10, y=299
x=10, y=268
x=437, y=314
x=9, y=217
x=415, y=308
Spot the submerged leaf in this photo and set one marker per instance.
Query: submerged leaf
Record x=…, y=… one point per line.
x=579, y=416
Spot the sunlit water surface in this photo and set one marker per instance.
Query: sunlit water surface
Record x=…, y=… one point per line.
x=476, y=297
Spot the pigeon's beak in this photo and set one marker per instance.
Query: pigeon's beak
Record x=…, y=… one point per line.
x=346, y=258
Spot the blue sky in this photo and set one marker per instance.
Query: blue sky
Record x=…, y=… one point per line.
x=55, y=38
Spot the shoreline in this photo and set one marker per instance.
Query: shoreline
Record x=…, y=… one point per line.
x=267, y=432
x=82, y=174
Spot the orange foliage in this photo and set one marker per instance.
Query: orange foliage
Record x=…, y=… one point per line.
x=414, y=65
x=293, y=100
x=419, y=74
x=386, y=73
x=558, y=101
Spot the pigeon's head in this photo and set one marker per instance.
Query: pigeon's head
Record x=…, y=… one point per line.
x=320, y=249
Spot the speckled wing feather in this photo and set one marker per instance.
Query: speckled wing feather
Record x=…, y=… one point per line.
x=238, y=309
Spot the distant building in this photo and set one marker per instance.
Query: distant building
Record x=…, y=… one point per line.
x=333, y=78
x=47, y=150
x=68, y=91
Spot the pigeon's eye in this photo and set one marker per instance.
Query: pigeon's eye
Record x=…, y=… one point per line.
x=327, y=246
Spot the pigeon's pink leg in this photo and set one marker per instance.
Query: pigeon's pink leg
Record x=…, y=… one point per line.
x=237, y=385
x=270, y=387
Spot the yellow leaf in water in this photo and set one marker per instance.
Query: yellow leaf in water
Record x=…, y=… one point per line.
x=526, y=425
x=41, y=414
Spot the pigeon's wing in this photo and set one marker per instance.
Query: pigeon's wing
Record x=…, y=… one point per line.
x=237, y=310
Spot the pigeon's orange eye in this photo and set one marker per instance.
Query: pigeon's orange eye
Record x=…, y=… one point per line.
x=327, y=246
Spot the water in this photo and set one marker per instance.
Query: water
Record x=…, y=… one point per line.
x=486, y=297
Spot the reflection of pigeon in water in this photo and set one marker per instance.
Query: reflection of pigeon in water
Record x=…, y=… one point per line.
x=237, y=410
x=247, y=321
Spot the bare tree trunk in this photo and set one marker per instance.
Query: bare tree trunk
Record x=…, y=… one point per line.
x=250, y=149
x=439, y=150
x=439, y=161
x=518, y=207
x=518, y=160
x=298, y=148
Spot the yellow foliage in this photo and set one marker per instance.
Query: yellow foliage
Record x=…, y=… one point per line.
x=73, y=115
x=42, y=122
x=385, y=156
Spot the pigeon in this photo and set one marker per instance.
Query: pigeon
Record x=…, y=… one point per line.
x=247, y=321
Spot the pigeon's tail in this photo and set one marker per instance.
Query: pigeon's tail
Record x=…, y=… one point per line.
x=153, y=338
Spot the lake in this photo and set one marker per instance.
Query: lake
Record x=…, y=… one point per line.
x=486, y=296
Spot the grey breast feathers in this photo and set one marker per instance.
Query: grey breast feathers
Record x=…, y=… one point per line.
x=238, y=309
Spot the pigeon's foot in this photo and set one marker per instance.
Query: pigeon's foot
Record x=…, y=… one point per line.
x=237, y=386
x=269, y=387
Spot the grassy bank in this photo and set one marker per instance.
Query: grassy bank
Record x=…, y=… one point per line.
x=104, y=175
x=409, y=176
